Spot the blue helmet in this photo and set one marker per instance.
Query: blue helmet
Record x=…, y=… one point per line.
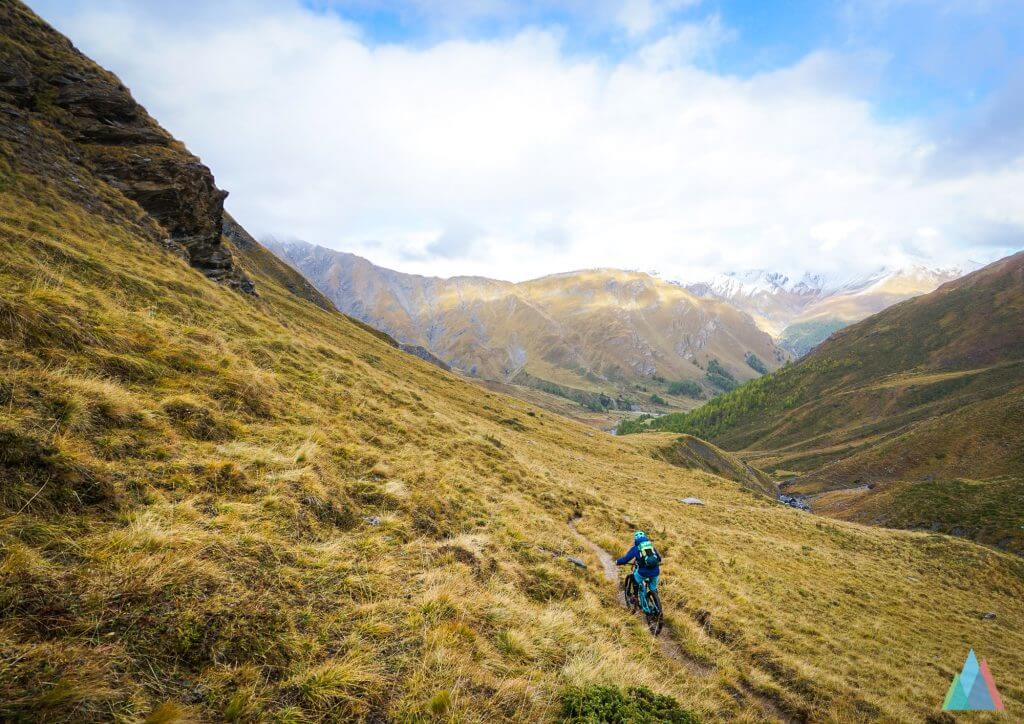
x=639, y=536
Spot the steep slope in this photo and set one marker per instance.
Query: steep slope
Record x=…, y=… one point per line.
x=929, y=389
x=687, y=451
x=259, y=260
x=216, y=506
x=802, y=313
x=220, y=507
x=588, y=335
x=45, y=81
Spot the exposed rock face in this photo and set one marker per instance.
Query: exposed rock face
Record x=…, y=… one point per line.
x=112, y=136
x=424, y=354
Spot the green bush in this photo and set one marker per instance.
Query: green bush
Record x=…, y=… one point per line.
x=715, y=368
x=599, y=404
x=658, y=400
x=725, y=384
x=626, y=427
x=756, y=364
x=720, y=377
x=687, y=388
x=610, y=704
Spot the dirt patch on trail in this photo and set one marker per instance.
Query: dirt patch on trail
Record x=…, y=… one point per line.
x=608, y=567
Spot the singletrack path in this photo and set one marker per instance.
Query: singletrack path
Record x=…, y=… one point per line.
x=669, y=645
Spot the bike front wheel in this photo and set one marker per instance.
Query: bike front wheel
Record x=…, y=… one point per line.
x=632, y=600
x=653, y=613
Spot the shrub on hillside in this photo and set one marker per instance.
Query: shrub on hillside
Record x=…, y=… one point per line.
x=627, y=427
x=720, y=377
x=598, y=703
x=725, y=384
x=756, y=364
x=687, y=388
x=600, y=403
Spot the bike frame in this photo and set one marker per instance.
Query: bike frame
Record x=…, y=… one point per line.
x=639, y=595
x=643, y=591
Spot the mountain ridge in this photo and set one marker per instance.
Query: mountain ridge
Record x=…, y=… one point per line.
x=583, y=334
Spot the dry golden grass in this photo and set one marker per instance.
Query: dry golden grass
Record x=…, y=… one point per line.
x=216, y=507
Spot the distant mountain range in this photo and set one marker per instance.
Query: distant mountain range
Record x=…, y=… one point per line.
x=603, y=337
x=801, y=312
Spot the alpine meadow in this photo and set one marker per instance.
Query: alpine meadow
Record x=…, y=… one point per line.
x=223, y=499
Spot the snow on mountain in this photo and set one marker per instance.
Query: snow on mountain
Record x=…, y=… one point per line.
x=778, y=301
x=750, y=283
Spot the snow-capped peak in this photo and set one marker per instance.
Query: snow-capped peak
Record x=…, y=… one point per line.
x=811, y=285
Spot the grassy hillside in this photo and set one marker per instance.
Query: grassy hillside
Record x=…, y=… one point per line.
x=930, y=389
x=218, y=506
x=987, y=510
x=799, y=338
x=252, y=254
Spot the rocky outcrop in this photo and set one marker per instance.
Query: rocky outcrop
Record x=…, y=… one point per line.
x=424, y=354
x=112, y=136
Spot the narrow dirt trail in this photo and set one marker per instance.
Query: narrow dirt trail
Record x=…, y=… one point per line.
x=611, y=571
x=668, y=644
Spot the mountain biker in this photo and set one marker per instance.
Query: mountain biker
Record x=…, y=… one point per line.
x=648, y=563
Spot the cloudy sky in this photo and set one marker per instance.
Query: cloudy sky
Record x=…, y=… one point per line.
x=515, y=139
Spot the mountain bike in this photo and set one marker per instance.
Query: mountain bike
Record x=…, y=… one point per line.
x=652, y=611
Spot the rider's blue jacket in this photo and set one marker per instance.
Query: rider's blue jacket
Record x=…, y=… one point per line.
x=631, y=555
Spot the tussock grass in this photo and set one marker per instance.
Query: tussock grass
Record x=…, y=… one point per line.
x=344, y=687
x=217, y=507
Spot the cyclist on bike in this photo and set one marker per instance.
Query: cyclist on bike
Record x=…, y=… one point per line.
x=647, y=566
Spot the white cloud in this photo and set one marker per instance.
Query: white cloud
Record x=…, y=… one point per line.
x=685, y=44
x=512, y=158
x=639, y=17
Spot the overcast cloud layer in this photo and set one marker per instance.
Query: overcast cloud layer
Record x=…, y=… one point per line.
x=513, y=156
